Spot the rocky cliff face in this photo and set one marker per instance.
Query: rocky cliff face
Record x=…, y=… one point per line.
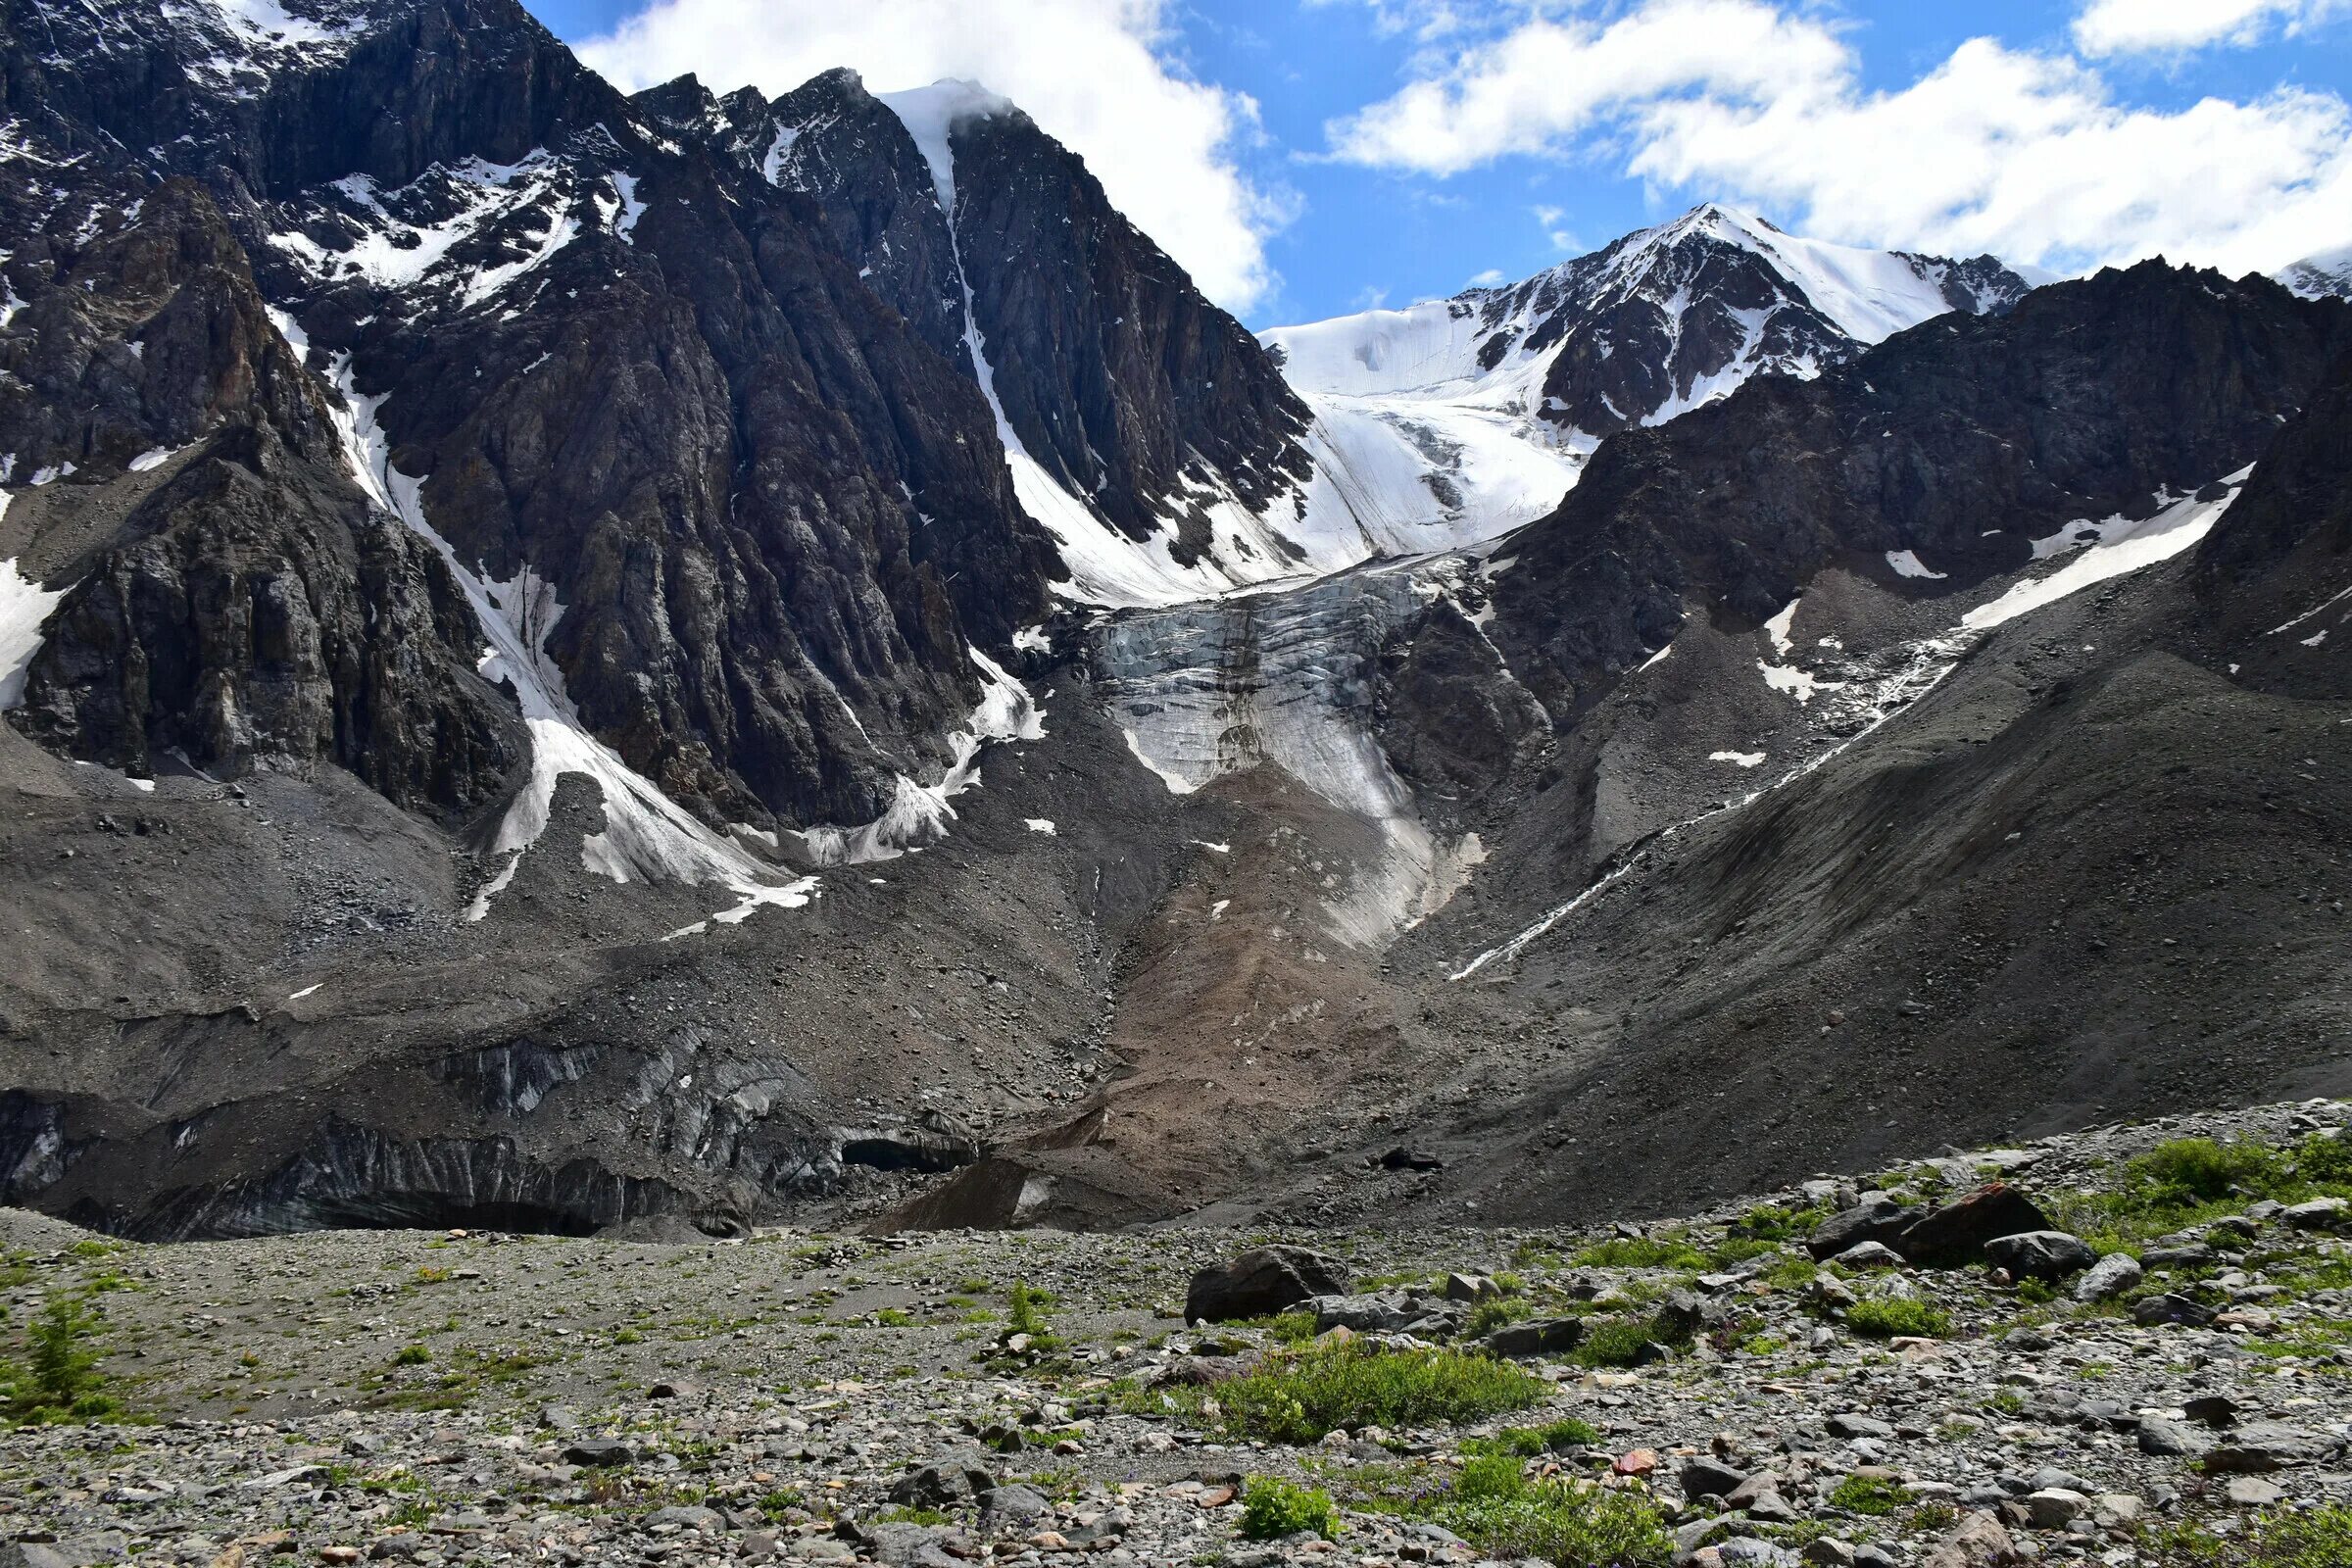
x=1140, y=401
x=771, y=513
x=1960, y=442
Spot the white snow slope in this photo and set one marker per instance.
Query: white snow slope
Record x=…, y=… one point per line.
x=1388, y=388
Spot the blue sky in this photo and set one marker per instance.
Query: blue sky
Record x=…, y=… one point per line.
x=1307, y=158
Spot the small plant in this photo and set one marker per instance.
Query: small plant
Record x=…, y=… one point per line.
x=1272, y=1508
x=894, y=1317
x=1615, y=1341
x=1490, y=1315
x=1290, y=1328
x=1897, y=1316
x=1528, y=1441
x=2183, y=1172
x=59, y=1379
x=1874, y=1495
x=1300, y=1396
x=413, y=1355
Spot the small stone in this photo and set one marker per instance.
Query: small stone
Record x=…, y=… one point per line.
x=1638, y=1462
x=2168, y=1439
x=1853, y=1424
x=2253, y=1491
x=599, y=1452
x=2056, y=1508
x=339, y=1555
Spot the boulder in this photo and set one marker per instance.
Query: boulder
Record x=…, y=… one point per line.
x=1262, y=1281
x=1876, y=1218
x=2050, y=1255
x=1549, y=1336
x=1953, y=1235
x=2171, y=1309
x=1869, y=1254
x=2110, y=1277
x=1710, y=1478
x=947, y=1478
x=599, y=1452
x=1978, y=1542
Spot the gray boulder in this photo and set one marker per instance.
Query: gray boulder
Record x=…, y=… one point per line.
x=2110, y=1277
x=1876, y=1218
x=2050, y=1255
x=1262, y=1281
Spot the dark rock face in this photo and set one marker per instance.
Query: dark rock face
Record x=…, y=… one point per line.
x=774, y=516
x=266, y=615
x=1111, y=368
x=1959, y=440
x=1118, y=376
x=1262, y=1281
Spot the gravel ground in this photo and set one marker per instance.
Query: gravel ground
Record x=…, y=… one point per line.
x=448, y=1397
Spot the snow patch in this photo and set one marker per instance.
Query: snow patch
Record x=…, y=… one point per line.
x=920, y=812
x=1040, y=824
x=2109, y=549
x=1906, y=563
x=1737, y=759
x=23, y=606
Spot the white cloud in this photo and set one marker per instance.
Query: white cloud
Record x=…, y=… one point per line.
x=1094, y=73
x=1489, y=278
x=2023, y=154
x=2158, y=27
x=1555, y=229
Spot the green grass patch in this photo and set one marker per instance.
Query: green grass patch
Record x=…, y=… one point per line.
x=1272, y=1508
x=1873, y=1495
x=1524, y=1443
x=1896, y=1317
x=1300, y=1396
x=1492, y=1504
x=1640, y=1252
x=2316, y=1538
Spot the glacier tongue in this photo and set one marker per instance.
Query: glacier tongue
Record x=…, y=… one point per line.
x=1285, y=680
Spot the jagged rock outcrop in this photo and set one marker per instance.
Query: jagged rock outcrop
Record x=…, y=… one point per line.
x=266, y=616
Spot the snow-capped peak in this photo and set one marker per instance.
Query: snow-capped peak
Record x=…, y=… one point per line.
x=930, y=112
x=2318, y=276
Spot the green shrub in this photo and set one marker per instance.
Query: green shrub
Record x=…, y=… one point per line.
x=1640, y=1252
x=1869, y=1494
x=1570, y=1523
x=2316, y=1538
x=1898, y=1315
x=411, y=1356
x=1614, y=1342
x=1272, y=1508
x=1290, y=1328
x=1490, y=1315
x=1300, y=1396
x=2325, y=1159
x=2183, y=1172
x=60, y=1377
x=1527, y=1442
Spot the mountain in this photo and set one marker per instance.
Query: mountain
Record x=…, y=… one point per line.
x=2314, y=277
x=682, y=660
x=1663, y=320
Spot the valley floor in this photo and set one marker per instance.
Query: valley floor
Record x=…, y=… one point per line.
x=1034, y=1397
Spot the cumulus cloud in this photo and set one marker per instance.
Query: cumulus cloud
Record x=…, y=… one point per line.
x=2024, y=154
x=1094, y=73
x=2162, y=26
